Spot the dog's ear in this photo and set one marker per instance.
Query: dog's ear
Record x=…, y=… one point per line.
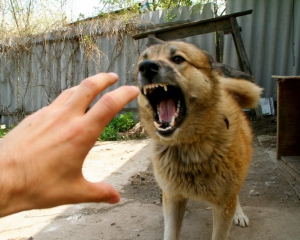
x=209, y=57
x=152, y=40
x=228, y=72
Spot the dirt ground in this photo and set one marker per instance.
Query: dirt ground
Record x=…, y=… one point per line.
x=268, y=199
x=143, y=184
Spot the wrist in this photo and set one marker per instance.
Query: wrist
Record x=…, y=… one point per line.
x=12, y=187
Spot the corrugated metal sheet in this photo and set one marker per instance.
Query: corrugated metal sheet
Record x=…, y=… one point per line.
x=271, y=35
x=194, y=13
x=31, y=79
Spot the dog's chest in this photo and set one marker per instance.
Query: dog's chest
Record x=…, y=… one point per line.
x=185, y=172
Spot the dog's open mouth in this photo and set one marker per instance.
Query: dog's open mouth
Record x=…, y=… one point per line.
x=168, y=105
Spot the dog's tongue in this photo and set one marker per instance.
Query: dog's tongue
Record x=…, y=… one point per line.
x=167, y=109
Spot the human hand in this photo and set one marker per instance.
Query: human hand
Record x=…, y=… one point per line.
x=41, y=159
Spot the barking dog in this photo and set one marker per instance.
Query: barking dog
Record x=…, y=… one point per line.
x=202, y=142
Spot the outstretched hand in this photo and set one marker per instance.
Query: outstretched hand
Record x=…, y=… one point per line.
x=41, y=159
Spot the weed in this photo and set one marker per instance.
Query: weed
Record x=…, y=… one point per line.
x=121, y=123
x=4, y=130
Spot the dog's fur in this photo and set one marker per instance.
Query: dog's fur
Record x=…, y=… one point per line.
x=206, y=155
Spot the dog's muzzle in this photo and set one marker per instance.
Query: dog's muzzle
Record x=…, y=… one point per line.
x=167, y=100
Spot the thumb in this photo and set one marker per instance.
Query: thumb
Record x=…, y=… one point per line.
x=100, y=192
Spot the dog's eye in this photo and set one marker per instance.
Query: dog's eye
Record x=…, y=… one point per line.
x=178, y=59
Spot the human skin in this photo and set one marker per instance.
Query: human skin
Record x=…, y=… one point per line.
x=41, y=159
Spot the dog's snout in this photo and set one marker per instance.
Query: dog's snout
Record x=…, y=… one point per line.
x=149, y=69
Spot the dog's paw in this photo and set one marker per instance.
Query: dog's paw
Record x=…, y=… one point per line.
x=240, y=219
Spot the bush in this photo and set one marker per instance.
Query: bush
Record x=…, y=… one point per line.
x=109, y=134
x=4, y=130
x=121, y=123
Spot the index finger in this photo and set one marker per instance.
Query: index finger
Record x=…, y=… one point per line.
x=110, y=104
x=89, y=88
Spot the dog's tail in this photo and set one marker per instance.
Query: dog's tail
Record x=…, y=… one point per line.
x=246, y=93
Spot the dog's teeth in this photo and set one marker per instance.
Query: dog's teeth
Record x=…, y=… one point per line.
x=156, y=125
x=166, y=87
x=165, y=129
x=178, y=108
x=172, y=123
x=158, y=113
x=145, y=90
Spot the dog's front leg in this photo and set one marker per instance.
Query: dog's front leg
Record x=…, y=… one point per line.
x=174, y=208
x=222, y=219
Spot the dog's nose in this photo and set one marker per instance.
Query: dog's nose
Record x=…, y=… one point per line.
x=148, y=69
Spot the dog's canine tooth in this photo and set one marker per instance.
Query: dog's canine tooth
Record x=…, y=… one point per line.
x=178, y=108
x=165, y=87
x=157, y=125
x=145, y=90
x=172, y=123
x=158, y=114
x=178, y=104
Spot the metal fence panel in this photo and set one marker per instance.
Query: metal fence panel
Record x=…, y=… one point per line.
x=36, y=72
x=271, y=37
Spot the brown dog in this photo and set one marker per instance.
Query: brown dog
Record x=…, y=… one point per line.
x=202, y=142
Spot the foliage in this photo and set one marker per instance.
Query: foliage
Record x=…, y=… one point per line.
x=132, y=5
x=4, y=130
x=130, y=8
x=20, y=18
x=109, y=134
x=121, y=123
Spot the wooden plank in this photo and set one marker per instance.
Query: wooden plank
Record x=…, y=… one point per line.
x=186, y=30
x=293, y=162
x=288, y=122
x=192, y=25
x=190, y=31
x=239, y=46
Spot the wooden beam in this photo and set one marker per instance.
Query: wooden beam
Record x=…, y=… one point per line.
x=288, y=116
x=189, y=31
x=239, y=46
x=207, y=23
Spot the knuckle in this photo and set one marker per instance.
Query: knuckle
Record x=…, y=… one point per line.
x=89, y=83
x=68, y=91
x=109, y=102
x=76, y=130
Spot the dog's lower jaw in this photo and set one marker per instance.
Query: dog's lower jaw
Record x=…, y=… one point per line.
x=169, y=137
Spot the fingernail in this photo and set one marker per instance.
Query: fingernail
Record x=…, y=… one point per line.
x=135, y=88
x=114, y=74
x=115, y=199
